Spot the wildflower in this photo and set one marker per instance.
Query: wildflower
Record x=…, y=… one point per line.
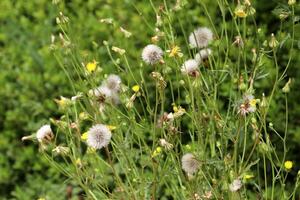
x=203, y=55
x=291, y=2
x=286, y=88
x=200, y=37
x=98, y=136
x=179, y=112
x=238, y=41
x=63, y=102
x=248, y=176
x=159, y=21
x=61, y=150
x=111, y=127
x=248, y=105
x=156, y=152
x=155, y=39
x=102, y=94
x=288, y=165
x=78, y=96
x=107, y=20
x=136, y=88
x=189, y=163
x=160, y=82
x=79, y=163
x=91, y=66
x=152, y=54
x=190, y=67
x=235, y=185
x=273, y=43
x=240, y=11
x=165, y=144
x=44, y=134
x=118, y=50
x=83, y=115
x=126, y=33
x=84, y=136
x=175, y=52
x=129, y=104
x=113, y=82
x=207, y=195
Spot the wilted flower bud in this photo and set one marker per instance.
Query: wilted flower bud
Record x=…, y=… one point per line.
x=291, y=2
x=286, y=88
x=273, y=43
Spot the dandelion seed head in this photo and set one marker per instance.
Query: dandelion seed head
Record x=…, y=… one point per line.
x=152, y=54
x=200, y=37
x=113, y=82
x=44, y=134
x=102, y=93
x=189, y=163
x=203, y=55
x=190, y=67
x=247, y=105
x=235, y=185
x=98, y=136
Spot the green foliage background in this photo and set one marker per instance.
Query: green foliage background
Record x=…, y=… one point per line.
x=31, y=79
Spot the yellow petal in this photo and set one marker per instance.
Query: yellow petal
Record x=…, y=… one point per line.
x=84, y=136
x=110, y=127
x=288, y=165
x=136, y=88
x=91, y=66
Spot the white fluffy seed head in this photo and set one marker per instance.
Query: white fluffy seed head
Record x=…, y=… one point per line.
x=200, y=37
x=152, y=54
x=98, y=136
x=203, y=55
x=235, y=185
x=102, y=93
x=189, y=163
x=113, y=82
x=190, y=67
x=44, y=134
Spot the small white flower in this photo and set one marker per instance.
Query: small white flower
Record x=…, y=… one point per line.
x=203, y=55
x=235, y=185
x=190, y=67
x=200, y=37
x=98, y=136
x=189, y=163
x=152, y=54
x=44, y=134
x=113, y=82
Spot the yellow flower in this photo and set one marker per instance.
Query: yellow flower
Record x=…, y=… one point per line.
x=84, y=136
x=91, y=66
x=175, y=52
x=156, y=152
x=240, y=12
x=288, y=165
x=136, y=88
x=110, y=127
x=248, y=176
x=253, y=102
